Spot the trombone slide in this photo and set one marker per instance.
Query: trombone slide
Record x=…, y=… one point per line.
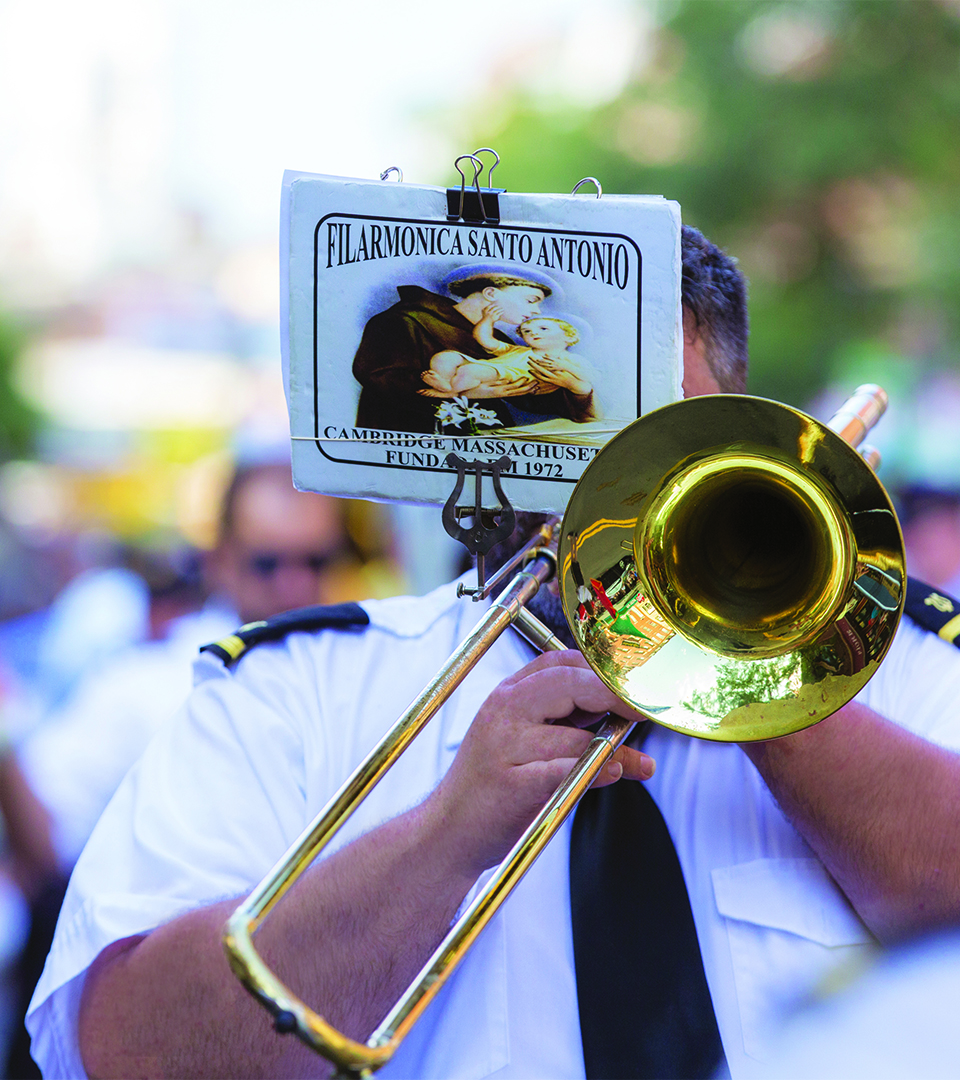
x=290, y=1013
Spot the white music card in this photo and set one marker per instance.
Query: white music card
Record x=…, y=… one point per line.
x=412, y=332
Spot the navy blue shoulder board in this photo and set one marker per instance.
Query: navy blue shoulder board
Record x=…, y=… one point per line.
x=317, y=617
x=934, y=610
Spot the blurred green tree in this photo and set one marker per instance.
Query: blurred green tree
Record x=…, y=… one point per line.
x=817, y=140
x=19, y=421
x=739, y=684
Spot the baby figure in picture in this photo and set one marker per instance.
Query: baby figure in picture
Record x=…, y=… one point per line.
x=543, y=354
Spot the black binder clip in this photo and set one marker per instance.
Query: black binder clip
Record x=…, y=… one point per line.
x=490, y=525
x=475, y=205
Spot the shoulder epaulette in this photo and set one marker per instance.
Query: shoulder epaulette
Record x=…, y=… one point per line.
x=934, y=610
x=317, y=617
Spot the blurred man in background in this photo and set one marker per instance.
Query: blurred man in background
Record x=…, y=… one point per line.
x=278, y=548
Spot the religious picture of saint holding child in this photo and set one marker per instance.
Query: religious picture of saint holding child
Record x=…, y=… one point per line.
x=489, y=354
x=536, y=335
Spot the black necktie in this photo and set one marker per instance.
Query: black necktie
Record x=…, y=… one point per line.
x=645, y=1009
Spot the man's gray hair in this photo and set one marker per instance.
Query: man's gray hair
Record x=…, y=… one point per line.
x=714, y=293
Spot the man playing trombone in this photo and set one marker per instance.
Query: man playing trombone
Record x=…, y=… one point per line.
x=794, y=852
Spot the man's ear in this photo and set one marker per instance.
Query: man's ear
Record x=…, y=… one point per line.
x=691, y=332
x=489, y=293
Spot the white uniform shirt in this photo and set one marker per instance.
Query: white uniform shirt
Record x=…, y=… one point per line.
x=222, y=791
x=895, y=1020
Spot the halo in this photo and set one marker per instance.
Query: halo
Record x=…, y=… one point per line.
x=520, y=271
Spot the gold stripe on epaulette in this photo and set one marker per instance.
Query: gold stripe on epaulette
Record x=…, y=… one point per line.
x=233, y=645
x=950, y=631
x=943, y=604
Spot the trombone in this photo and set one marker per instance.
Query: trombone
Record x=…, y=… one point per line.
x=729, y=566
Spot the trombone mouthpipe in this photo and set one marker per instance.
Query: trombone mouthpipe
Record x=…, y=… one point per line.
x=857, y=415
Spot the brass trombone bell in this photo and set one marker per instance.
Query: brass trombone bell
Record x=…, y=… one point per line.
x=732, y=568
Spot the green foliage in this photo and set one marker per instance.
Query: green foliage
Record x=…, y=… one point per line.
x=741, y=683
x=18, y=421
x=817, y=140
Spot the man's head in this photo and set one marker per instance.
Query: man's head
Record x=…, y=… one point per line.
x=518, y=298
x=276, y=545
x=715, y=324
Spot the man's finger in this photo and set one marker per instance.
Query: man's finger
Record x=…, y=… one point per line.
x=559, y=692
x=554, y=658
x=549, y=775
x=636, y=764
x=545, y=742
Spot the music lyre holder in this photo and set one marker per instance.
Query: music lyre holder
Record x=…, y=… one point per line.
x=490, y=525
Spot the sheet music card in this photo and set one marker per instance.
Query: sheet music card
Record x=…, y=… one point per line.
x=408, y=335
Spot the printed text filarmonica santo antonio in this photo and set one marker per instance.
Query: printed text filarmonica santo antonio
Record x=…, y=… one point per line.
x=599, y=259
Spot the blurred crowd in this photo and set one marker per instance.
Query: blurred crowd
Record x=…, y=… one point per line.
x=96, y=644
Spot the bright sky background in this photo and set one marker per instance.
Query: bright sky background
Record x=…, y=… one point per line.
x=117, y=116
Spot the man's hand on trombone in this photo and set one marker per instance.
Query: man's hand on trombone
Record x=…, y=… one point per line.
x=524, y=741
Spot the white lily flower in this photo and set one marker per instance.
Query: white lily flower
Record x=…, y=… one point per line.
x=486, y=417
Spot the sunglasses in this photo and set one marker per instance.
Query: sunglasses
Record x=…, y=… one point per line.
x=264, y=564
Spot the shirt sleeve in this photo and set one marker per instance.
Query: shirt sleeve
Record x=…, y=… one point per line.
x=213, y=803
x=918, y=686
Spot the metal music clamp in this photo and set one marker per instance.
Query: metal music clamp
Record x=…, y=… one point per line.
x=490, y=526
x=475, y=206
